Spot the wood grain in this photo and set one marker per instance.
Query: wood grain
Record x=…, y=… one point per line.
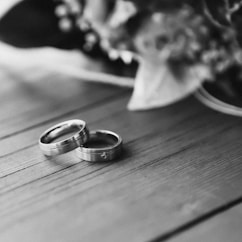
x=179, y=163
x=28, y=104
x=224, y=227
x=179, y=178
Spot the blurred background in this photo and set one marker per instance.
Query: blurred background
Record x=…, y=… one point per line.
x=33, y=45
x=39, y=38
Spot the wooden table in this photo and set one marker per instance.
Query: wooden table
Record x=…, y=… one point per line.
x=179, y=178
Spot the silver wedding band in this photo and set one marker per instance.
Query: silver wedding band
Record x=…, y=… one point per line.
x=83, y=141
x=112, y=151
x=51, y=148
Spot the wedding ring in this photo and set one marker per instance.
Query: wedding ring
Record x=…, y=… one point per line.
x=50, y=148
x=92, y=150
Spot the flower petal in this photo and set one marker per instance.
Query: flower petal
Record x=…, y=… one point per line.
x=157, y=85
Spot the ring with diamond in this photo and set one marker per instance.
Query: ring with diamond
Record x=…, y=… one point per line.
x=50, y=148
x=103, y=145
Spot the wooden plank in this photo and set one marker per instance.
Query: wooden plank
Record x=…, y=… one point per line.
x=221, y=228
x=25, y=104
x=97, y=118
x=180, y=162
x=30, y=137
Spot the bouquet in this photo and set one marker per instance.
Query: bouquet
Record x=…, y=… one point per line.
x=178, y=44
